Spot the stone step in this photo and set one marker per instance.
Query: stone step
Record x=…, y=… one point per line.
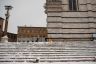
x=48, y=48
x=47, y=56
x=89, y=45
x=67, y=60
x=53, y=55
x=59, y=57
x=64, y=44
x=48, y=53
x=45, y=52
x=49, y=60
x=67, y=57
x=17, y=45
x=44, y=55
x=36, y=52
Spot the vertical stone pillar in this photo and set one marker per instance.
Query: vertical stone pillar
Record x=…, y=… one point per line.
x=8, y=8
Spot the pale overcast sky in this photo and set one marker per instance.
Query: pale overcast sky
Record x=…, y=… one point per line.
x=25, y=12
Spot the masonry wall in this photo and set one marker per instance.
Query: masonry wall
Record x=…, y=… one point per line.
x=64, y=24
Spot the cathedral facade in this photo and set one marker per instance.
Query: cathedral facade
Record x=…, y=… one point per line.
x=71, y=20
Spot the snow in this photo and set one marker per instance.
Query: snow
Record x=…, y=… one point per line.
x=50, y=63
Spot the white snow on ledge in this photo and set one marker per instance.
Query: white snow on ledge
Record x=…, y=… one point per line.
x=50, y=63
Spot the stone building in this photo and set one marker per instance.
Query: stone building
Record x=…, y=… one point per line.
x=32, y=34
x=12, y=37
x=71, y=20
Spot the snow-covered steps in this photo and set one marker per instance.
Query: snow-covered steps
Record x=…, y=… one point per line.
x=46, y=52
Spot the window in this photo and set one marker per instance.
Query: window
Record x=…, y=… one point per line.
x=73, y=5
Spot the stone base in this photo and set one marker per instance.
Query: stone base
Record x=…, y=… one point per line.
x=4, y=39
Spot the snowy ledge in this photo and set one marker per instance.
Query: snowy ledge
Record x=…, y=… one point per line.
x=51, y=63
